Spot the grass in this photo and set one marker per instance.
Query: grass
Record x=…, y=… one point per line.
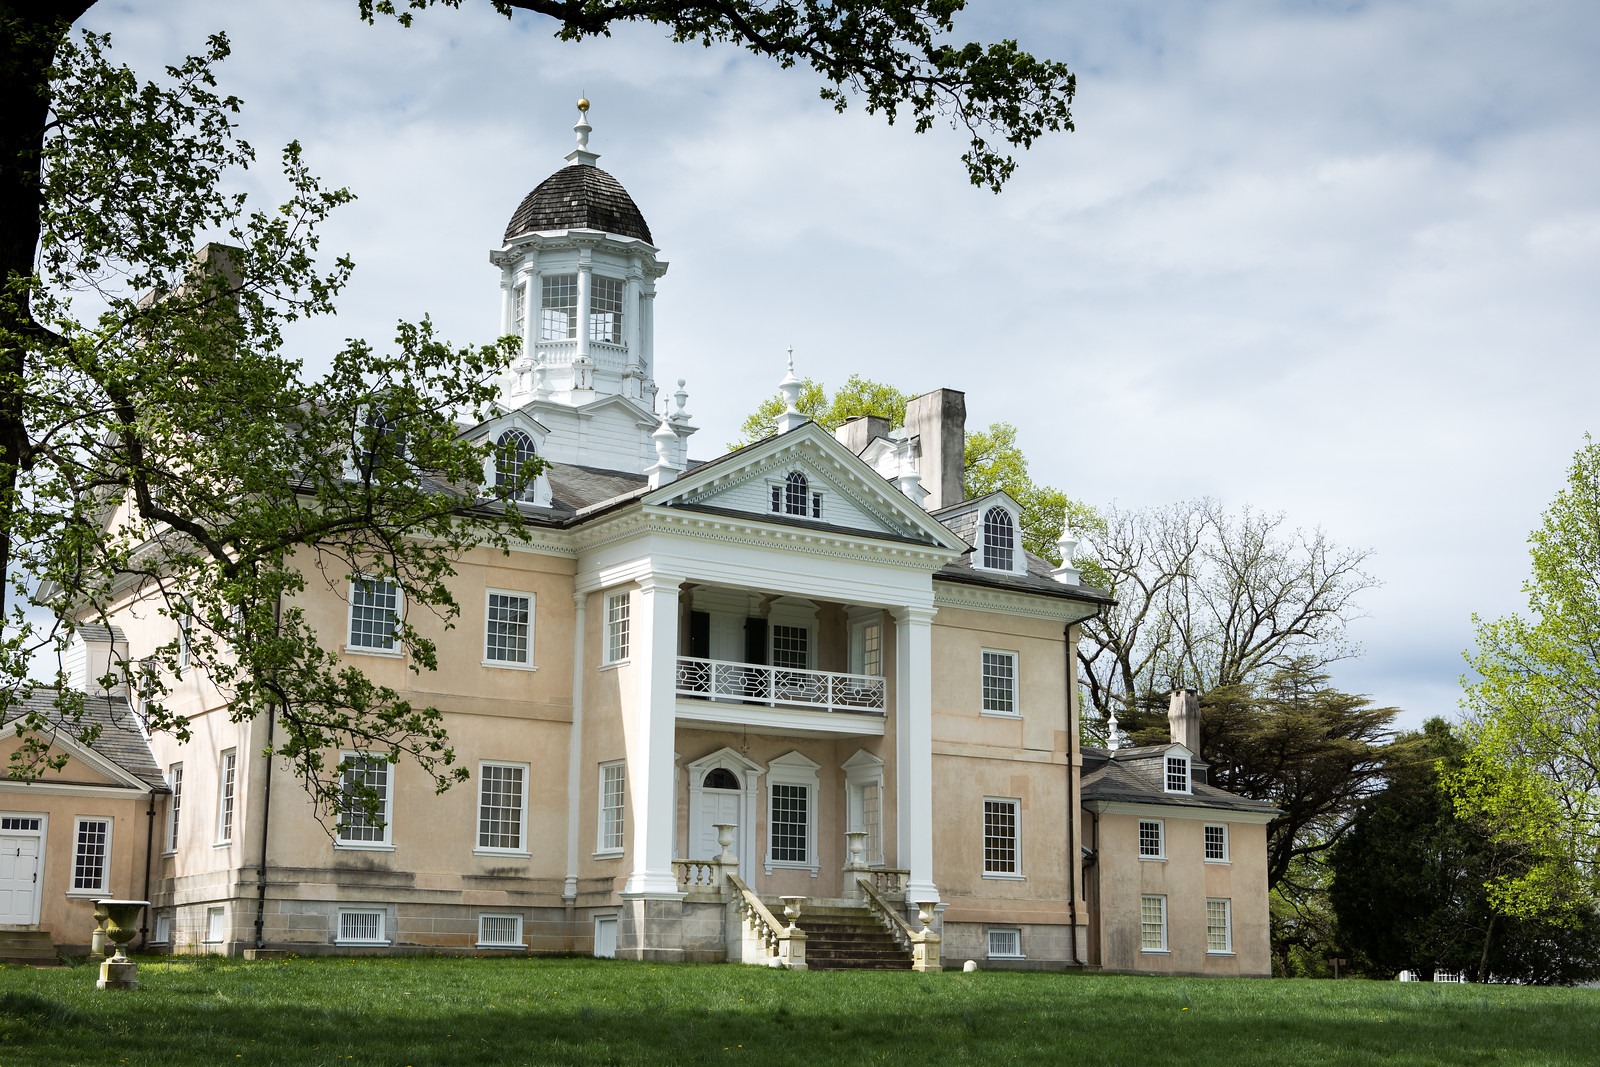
x=442, y=1011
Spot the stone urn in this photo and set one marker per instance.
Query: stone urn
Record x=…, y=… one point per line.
x=97, y=944
x=856, y=842
x=725, y=839
x=122, y=926
x=791, y=909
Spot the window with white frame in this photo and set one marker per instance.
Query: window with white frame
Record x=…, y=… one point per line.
x=362, y=926
x=185, y=636
x=514, y=464
x=1216, y=843
x=499, y=931
x=91, y=855
x=867, y=655
x=1178, y=774
x=1219, y=925
x=558, y=307
x=999, y=683
x=605, y=308
x=618, y=610
x=613, y=817
x=174, y=804
x=508, y=629
x=1152, y=923
x=502, y=806
x=519, y=309
x=1152, y=839
x=1000, y=848
x=163, y=931
x=791, y=812
x=216, y=925
x=227, y=781
x=365, y=801
x=1005, y=943
x=791, y=647
x=999, y=540
x=374, y=615
x=864, y=803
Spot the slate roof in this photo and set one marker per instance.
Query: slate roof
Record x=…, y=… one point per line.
x=120, y=740
x=579, y=198
x=962, y=520
x=1115, y=776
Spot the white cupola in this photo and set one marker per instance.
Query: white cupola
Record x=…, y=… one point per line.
x=578, y=273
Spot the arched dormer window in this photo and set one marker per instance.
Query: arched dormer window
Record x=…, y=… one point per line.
x=794, y=497
x=999, y=540
x=514, y=454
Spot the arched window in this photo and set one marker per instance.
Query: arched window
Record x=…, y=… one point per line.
x=796, y=494
x=513, y=455
x=721, y=778
x=999, y=540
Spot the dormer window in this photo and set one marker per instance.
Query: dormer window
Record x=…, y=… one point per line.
x=605, y=309
x=380, y=441
x=1178, y=774
x=558, y=310
x=514, y=456
x=999, y=540
x=794, y=497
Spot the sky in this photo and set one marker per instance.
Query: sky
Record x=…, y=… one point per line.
x=1331, y=259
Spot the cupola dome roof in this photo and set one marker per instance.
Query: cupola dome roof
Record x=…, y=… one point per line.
x=579, y=197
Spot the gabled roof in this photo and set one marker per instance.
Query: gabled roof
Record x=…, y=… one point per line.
x=1118, y=776
x=119, y=748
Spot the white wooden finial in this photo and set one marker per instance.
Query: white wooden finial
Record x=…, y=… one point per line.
x=581, y=155
x=1067, y=547
x=790, y=387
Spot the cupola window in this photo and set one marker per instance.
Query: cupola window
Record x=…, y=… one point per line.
x=514, y=456
x=558, y=310
x=519, y=309
x=999, y=540
x=605, y=309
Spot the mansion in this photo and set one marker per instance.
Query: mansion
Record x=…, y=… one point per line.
x=800, y=704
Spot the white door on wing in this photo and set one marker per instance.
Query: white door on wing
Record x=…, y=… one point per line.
x=719, y=805
x=19, y=880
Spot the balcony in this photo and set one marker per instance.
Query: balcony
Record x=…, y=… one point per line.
x=724, y=693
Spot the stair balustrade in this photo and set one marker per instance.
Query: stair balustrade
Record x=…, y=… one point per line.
x=922, y=944
x=766, y=941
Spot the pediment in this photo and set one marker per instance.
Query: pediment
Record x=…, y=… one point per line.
x=840, y=491
x=509, y=419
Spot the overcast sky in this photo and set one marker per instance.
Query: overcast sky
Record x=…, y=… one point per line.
x=1333, y=259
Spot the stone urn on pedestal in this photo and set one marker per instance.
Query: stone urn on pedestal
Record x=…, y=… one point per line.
x=97, y=943
x=122, y=926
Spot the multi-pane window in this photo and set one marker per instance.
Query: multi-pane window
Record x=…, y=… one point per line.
x=605, y=308
x=872, y=820
x=1000, y=837
x=1005, y=944
x=558, y=308
x=1219, y=925
x=1151, y=839
x=999, y=540
x=793, y=497
x=364, y=801
x=185, y=637
x=1000, y=682
x=791, y=807
x=790, y=649
x=502, y=789
x=174, y=805
x=508, y=629
x=1153, y=923
x=514, y=457
x=618, y=610
x=613, y=783
x=91, y=854
x=374, y=614
x=519, y=309
x=1177, y=774
x=1217, y=843
x=361, y=927
x=227, y=775
x=872, y=649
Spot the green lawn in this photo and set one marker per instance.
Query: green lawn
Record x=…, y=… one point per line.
x=503, y=1011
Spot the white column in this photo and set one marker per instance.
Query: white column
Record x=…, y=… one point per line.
x=507, y=284
x=652, y=818
x=630, y=310
x=569, y=888
x=530, y=313
x=913, y=725
x=647, y=330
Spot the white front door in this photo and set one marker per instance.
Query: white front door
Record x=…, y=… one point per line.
x=718, y=806
x=19, y=880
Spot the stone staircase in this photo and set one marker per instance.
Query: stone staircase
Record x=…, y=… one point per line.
x=32, y=947
x=843, y=936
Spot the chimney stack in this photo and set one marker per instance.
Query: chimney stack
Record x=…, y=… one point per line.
x=859, y=431
x=1183, y=715
x=939, y=422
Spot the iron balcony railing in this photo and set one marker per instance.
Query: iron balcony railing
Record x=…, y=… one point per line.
x=755, y=683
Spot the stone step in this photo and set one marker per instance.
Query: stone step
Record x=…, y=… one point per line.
x=845, y=936
x=26, y=946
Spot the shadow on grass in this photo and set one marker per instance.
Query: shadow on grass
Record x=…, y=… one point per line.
x=534, y=1012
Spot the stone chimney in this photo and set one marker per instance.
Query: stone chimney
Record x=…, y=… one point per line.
x=939, y=422
x=1183, y=715
x=859, y=431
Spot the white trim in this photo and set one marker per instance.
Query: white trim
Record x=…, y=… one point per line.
x=1165, y=940
x=613, y=920
x=794, y=769
x=1016, y=839
x=1227, y=926
x=1155, y=809
x=1016, y=688
x=602, y=849
x=1188, y=773
x=394, y=650
x=88, y=756
x=1227, y=843
x=980, y=540
x=1160, y=855
x=366, y=761
x=215, y=933
x=749, y=774
x=515, y=943
x=382, y=937
x=1016, y=935
x=172, y=824
x=860, y=771
x=521, y=847
x=527, y=663
x=227, y=796
x=73, y=889
x=613, y=625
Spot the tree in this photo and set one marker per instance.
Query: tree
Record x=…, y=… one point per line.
x=1532, y=771
x=176, y=456
x=992, y=459
x=1410, y=883
x=1209, y=599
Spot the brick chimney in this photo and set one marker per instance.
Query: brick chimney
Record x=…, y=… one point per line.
x=939, y=422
